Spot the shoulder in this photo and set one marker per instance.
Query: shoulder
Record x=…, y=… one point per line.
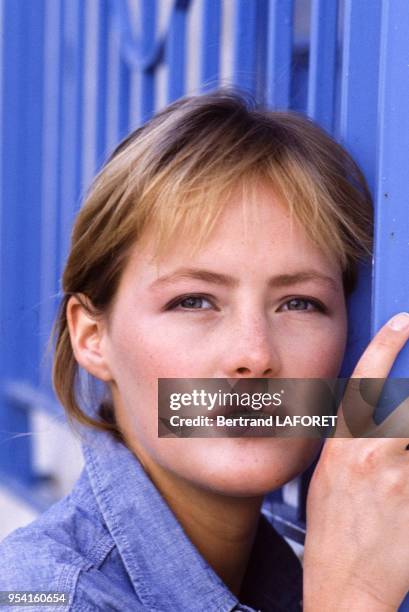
x=50, y=553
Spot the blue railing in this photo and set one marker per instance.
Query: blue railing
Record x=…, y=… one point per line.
x=77, y=75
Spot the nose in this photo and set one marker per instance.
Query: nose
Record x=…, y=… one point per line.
x=252, y=351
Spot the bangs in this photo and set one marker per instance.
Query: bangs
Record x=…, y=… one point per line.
x=189, y=207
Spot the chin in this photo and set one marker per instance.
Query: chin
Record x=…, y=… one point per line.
x=249, y=467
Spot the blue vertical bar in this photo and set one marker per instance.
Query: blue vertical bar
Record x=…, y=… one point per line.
x=60, y=160
x=79, y=119
x=245, y=36
x=147, y=77
x=359, y=83
x=123, y=104
x=90, y=94
x=358, y=133
x=30, y=206
x=322, y=68
x=391, y=277
x=210, y=52
x=70, y=126
x=102, y=84
x=279, y=53
x=50, y=171
x=175, y=50
x=114, y=77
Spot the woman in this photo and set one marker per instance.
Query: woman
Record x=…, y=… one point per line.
x=219, y=241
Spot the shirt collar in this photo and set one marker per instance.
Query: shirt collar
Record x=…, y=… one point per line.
x=165, y=568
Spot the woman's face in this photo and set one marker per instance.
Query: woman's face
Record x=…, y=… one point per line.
x=266, y=303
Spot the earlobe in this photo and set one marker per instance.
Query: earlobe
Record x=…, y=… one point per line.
x=87, y=335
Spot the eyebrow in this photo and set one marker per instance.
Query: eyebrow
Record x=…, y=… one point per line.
x=216, y=278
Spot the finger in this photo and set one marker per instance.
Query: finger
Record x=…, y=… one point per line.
x=355, y=416
x=379, y=357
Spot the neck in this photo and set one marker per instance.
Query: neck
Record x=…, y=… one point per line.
x=222, y=528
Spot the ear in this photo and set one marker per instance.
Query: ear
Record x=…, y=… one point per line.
x=87, y=335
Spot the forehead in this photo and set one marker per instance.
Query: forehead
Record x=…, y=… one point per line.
x=255, y=234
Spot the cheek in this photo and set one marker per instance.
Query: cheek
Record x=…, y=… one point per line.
x=140, y=354
x=148, y=351
x=314, y=351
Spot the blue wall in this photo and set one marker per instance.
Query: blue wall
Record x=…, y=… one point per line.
x=77, y=75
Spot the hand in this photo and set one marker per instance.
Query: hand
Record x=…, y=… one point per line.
x=356, y=554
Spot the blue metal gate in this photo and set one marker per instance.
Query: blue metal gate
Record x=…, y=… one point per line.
x=77, y=75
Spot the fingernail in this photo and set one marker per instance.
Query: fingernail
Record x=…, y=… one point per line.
x=400, y=321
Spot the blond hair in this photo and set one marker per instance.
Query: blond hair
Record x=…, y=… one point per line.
x=174, y=175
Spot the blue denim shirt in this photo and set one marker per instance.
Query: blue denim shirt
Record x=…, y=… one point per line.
x=113, y=543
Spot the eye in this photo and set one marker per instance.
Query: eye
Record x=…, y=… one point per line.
x=190, y=302
x=301, y=304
